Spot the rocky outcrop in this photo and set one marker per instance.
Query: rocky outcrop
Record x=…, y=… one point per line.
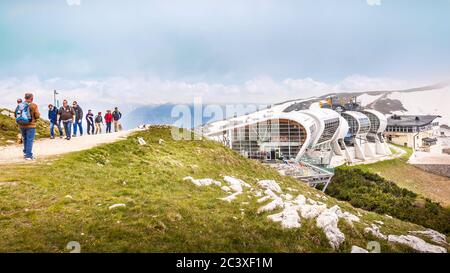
x=416, y=243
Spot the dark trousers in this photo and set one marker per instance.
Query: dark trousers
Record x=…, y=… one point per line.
x=108, y=127
x=90, y=128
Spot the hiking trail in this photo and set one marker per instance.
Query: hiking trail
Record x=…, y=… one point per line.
x=46, y=148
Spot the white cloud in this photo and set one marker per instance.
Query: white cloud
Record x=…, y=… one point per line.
x=129, y=92
x=374, y=2
x=73, y=2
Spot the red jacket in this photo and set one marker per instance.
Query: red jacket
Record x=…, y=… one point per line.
x=108, y=118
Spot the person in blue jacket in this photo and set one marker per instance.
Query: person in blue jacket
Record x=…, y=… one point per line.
x=53, y=117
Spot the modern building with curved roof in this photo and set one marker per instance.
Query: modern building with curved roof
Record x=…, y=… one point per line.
x=378, y=125
x=314, y=135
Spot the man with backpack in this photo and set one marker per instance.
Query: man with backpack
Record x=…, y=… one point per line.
x=66, y=114
x=98, y=123
x=116, y=117
x=27, y=113
x=78, y=119
x=53, y=117
x=90, y=122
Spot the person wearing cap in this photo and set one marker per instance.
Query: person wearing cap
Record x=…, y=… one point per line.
x=90, y=122
x=98, y=123
x=53, y=118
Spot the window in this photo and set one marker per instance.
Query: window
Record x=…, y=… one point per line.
x=374, y=122
x=331, y=127
x=261, y=139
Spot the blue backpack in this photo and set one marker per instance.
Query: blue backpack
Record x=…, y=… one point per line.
x=23, y=115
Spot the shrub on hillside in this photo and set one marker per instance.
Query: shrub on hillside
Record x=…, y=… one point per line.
x=372, y=192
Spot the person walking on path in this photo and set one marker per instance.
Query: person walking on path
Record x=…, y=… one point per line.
x=66, y=115
x=108, y=120
x=117, y=115
x=53, y=117
x=90, y=122
x=98, y=123
x=26, y=116
x=78, y=123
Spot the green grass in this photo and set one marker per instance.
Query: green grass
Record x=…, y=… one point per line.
x=163, y=212
x=426, y=184
x=9, y=129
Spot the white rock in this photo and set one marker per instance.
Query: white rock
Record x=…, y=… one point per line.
x=271, y=194
x=300, y=200
x=236, y=184
x=117, y=206
x=357, y=249
x=288, y=217
x=375, y=231
x=312, y=211
x=256, y=193
x=217, y=183
x=416, y=243
x=276, y=203
x=141, y=141
x=291, y=189
x=225, y=188
x=287, y=197
x=231, y=197
x=348, y=217
x=379, y=222
x=270, y=185
x=200, y=182
x=263, y=199
x=433, y=235
x=328, y=221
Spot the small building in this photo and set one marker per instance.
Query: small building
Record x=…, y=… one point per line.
x=410, y=131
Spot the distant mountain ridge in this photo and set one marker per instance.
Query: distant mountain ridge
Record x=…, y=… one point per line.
x=424, y=100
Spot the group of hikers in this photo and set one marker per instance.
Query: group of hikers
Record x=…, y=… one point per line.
x=71, y=117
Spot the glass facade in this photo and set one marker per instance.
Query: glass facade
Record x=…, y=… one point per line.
x=374, y=122
x=269, y=140
x=353, y=125
x=331, y=126
x=360, y=126
x=365, y=125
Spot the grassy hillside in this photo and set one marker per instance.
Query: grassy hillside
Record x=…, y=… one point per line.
x=9, y=128
x=48, y=204
x=429, y=185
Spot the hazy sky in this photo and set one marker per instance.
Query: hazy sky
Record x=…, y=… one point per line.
x=265, y=50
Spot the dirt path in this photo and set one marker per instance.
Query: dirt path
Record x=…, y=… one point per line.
x=52, y=147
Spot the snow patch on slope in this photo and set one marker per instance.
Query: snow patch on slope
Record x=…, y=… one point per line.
x=433, y=102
